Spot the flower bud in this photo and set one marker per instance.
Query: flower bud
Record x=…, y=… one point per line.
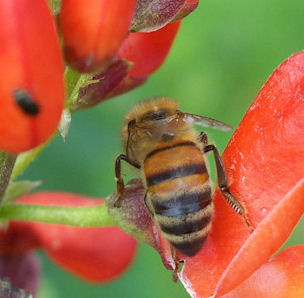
x=31, y=72
x=93, y=30
x=151, y=15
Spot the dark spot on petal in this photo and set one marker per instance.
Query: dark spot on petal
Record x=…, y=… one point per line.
x=26, y=102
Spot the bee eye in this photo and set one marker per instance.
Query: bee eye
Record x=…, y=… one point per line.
x=155, y=115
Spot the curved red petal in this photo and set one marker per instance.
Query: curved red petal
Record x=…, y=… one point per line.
x=263, y=162
x=17, y=238
x=148, y=50
x=93, y=30
x=265, y=240
x=281, y=277
x=126, y=85
x=50, y=198
x=32, y=88
x=95, y=254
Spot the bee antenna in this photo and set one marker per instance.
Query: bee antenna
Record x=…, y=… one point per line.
x=130, y=125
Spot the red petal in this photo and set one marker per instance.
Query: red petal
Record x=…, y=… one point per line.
x=265, y=240
x=95, y=254
x=263, y=162
x=31, y=63
x=148, y=50
x=126, y=85
x=17, y=238
x=59, y=199
x=93, y=30
x=281, y=277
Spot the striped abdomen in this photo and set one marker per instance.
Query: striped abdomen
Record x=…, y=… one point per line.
x=179, y=194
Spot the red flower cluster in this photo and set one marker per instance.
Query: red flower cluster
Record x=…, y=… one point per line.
x=94, y=254
x=263, y=161
x=99, y=36
x=264, y=165
x=122, y=42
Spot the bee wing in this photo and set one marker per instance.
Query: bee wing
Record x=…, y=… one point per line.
x=205, y=122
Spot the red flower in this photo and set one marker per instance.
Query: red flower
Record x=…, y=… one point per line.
x=282, y=276
x=263, y=162
x=264, y=165
x=95, y=254
x=31, y=89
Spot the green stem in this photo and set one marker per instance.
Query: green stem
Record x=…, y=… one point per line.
x=26, y=158
x=7, y=162
x=95, y=216
x=74, y=81
x=55, y=5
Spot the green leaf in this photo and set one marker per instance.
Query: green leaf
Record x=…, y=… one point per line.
x=17, y=189
x=7, y=162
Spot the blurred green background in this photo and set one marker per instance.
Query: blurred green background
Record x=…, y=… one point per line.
x=222, y=56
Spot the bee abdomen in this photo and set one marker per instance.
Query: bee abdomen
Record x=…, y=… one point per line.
x=187, y=202
x=185, y=220
x=178, y=172
x=188, y=244
x=180, y=195
x=187, y=233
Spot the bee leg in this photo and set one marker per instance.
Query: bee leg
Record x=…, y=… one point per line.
x=178, y=265
x=223, y=184
x=148, y=205
x=120, y=186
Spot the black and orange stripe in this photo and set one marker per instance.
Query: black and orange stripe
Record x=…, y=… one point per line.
x=178, y=190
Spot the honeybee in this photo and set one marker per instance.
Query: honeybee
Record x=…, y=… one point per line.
x=161, y=142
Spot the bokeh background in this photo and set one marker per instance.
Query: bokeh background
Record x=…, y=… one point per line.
x=222, y=56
